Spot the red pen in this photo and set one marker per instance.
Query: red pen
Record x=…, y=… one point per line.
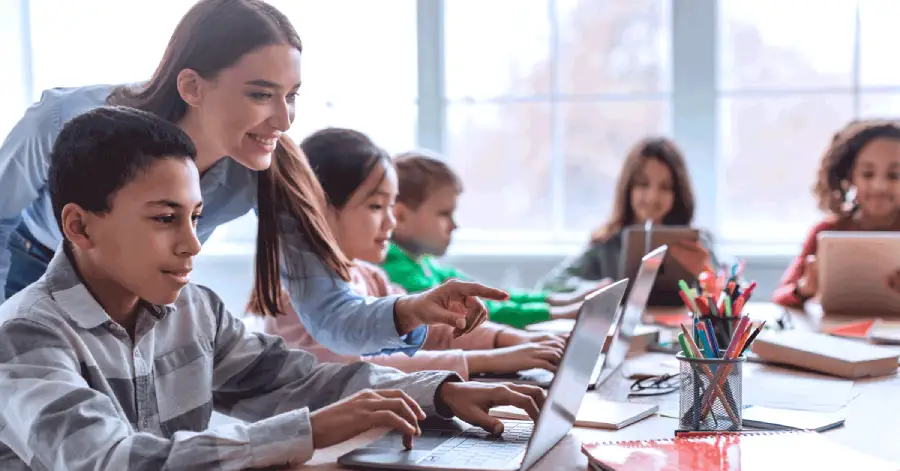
x=749, y=290
x=687, y=302
x=701, y=303
x=738, y=305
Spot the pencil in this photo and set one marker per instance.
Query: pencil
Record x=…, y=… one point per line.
x=752, y=337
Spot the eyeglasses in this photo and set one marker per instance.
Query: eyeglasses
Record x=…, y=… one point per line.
x=655, y=385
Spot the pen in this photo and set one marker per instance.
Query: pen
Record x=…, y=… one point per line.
x=712, y=338
x=704, y=339
x=701, y=303
x=753, y=337
x=738, y=305
x=684, y=346
x=727, y=306
x=689, y=303
x=717, y=390
x=722, y=373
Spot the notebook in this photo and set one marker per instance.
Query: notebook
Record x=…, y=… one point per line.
x=770, y=418
x=594, y=413
x=825, y=353
x=762, y=451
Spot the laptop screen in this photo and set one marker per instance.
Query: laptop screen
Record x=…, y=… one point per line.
x=574, y=373
x=633, y=308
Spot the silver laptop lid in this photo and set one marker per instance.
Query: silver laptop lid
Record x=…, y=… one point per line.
x=595, y=318
x=633, y=308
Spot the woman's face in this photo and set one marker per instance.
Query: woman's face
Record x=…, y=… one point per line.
x=244, y=110
x=653, y=192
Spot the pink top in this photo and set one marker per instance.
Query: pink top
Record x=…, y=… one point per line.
x=440, y=351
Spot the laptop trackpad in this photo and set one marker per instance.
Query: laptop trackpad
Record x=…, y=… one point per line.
x=381, y=456
x=435, y=431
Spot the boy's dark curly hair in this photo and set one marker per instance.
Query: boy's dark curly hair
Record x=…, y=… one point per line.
x=833, y=182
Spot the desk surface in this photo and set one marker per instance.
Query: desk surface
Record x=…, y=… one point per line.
x=872, y=423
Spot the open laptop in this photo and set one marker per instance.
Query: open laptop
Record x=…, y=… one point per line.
x=628, y=317
x=853, y=272
x=452, y=444
x=639, y=240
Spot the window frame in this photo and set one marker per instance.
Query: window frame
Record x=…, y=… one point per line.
x=694, y=116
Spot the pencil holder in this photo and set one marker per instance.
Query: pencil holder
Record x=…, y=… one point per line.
x=723, y=328
x=710, y=393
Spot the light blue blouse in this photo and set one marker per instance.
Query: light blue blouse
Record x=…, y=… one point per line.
x=332, y=312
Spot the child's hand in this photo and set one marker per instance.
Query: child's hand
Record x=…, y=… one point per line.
x=808, y=284
x=471, y=401
x=546, y=355
x=366, y=410
x=577, y=296
x=513, y=337
x=565, y=312
x=893, y=281
x=690, y=255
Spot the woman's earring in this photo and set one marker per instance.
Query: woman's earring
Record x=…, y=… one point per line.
x=850, y=197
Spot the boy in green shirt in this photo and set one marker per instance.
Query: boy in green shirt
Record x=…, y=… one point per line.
x=428, y=192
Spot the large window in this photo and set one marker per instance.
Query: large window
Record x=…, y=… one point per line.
x=359, y=62
x=542, y=106
x=536, y=102
x=783, y=92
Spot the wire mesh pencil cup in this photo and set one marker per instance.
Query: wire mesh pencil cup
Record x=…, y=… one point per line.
x=710, y=393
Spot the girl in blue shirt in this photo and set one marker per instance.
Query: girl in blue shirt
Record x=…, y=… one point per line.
x=229, y=78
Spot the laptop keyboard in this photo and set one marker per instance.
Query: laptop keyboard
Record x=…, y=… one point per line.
x=476, y=448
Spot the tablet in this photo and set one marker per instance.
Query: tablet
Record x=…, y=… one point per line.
x=853, y=271
x=640, y=240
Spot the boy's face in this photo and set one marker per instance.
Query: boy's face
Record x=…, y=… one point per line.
x=431, y=225
x=143, y=247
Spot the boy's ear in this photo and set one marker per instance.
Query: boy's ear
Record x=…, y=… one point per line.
x=401, y=212
x=75, y=226
x=190, y=86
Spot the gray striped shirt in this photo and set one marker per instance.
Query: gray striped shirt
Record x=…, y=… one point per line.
x=78, y=394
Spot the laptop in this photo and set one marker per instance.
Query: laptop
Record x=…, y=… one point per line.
x=853, y=272
x=624, y=325
x=629, y=316
x=453, y=444
x=639, y=240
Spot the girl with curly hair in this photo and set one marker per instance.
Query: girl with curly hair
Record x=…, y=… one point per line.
x=858, y=188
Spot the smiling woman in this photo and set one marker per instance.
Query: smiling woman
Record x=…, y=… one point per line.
x=232, y=89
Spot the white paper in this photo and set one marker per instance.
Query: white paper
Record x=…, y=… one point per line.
x=786, y=389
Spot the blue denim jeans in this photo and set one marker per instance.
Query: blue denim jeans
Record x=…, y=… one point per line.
x=28, y=260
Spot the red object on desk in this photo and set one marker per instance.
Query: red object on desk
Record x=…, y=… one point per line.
x=669, y=320
x=856, y=330
x=762, y=451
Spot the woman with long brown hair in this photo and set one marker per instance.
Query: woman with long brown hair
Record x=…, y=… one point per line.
x=229, y=78
x=653, y=186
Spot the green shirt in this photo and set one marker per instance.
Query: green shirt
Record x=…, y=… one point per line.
x=415, y=275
